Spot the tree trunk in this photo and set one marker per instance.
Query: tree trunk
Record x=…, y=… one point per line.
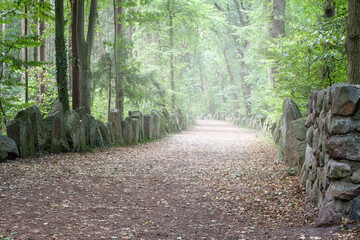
x=75, y=58
x=119, y=92
x=109, y=89
x=353, y=42
x=207, y=93
x=25, y=58
x=84, y=50
x=329, y=8
x=278, y=19
x=61, y=59
x=232, y=81
x=42, y=58
x=172, y=80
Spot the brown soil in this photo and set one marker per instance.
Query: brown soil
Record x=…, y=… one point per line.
x=215, y=181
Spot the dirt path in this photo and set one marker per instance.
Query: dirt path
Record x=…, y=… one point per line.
x=215, y=181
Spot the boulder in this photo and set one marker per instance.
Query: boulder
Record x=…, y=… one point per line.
x=339, y=125
x=330, y=212
x=32, y=116
x=127, y=132
x=16, y=130
x=148, y=126
x=344, y=146
x=55, y=130
x=344, y=189
x=290, y=113
x=337, y=169
x=73, y=129
x=345, y=100
x=90, y=126
x=104, y=132
x=8, y=148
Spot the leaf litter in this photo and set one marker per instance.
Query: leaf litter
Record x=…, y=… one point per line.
x=214, y=181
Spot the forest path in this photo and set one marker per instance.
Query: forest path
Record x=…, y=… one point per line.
x=215, y=181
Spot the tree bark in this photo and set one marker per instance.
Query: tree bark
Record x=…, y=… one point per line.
x=84, y=50
x=119, y=92
x=25, y=58
x=353, y=42
x=278, y=18
x=75, y=58
x=42, y=58
x=61, y=58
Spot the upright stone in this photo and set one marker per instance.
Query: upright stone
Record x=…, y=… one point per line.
x=157, y=123
x=73, y=129
x=136, y=130
x=111, y=132
x=32, y=116
x=115, y=121
x=104, y=131
x=290, y=112
x=55, y=130
x=148, y=126
x=89, y=125
x=139, y=116
x=127, y=132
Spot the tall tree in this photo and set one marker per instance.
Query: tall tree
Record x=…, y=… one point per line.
x=171, y=14
x=353, y=42
x=84, y=47
x=61, y=58
x=118, y=59
x=75, y=58
x=25, y=53
x=42, y=56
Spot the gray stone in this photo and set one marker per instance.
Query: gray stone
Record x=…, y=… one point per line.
x=55, y=130
x=148, y=126
x=157, y=123
x=89, y=125
x=310, y=135
x=344, y=146
x=344, y=189
x=127, y=132
x=316, y=140
x=355, y=177
x=115, y=121
x=104, y=131
x=111, y=132
x=308, y=187
x=309, y=157
x=9, y=146
x=337, y=169
x=345, y=99
x=16, y=130
x=319, y=101
x=330, y=211
x=299, y=128
x=136, y=130
x=99, y=141
x=340, y=125
x=139, y=116
x=73, y=128
x=34, y=121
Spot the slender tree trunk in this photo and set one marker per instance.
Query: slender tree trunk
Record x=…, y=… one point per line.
x=116, y=58
x=172, y=80
x=75, y=58
x=119, y=96
x=25, y=58
x=84, y=50
x=353, y=42
x=232, y=81
x=61, y=59
x=101, y=47
x=206, y=88
x=42, y=58
x=109, y=89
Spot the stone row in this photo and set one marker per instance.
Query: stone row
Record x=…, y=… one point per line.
x=29, y=133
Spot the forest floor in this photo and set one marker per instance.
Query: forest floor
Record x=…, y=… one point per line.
x=215, y=181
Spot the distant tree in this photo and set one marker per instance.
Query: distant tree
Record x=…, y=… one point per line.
x=353, y=42
x=61, y=57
